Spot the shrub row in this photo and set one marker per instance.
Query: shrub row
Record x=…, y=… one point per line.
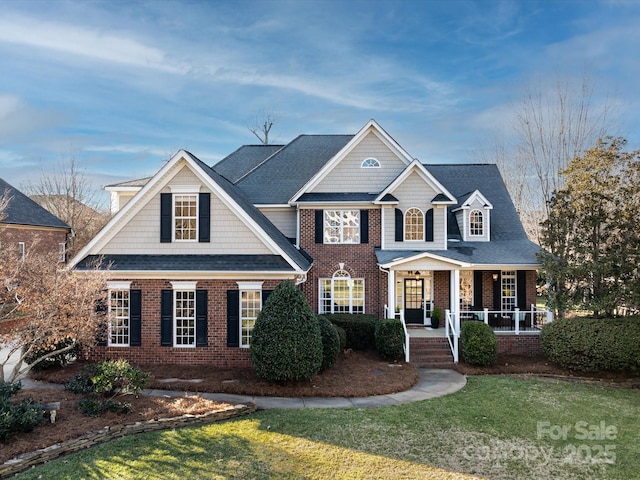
x=590, y=344
x=359, y=328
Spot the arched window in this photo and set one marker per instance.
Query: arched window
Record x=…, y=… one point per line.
x=476, y=223
x=341, y=294
x=414, y=224
x=370, y=163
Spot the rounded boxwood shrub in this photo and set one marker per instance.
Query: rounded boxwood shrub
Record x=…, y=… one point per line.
x=359, y=327
x=286, y=343
x=593, y=344
x=390, y=338
x=330, y=342
x=342, y=334
x=478, y=344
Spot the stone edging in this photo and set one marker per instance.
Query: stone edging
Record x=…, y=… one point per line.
x=37, y=457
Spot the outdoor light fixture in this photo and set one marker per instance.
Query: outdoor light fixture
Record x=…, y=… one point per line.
x=495, y=277
x=417, y=274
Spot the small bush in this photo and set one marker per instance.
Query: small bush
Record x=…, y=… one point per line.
x=93, y=407
x=590, y=344
x=79, y=384
x=286, y=344
x=118, y=376
x=390, y=339
x=57, y=360
x=478, y=344
x=360, y=329
x=342, y=335
x=17, y=418
x=330, y=342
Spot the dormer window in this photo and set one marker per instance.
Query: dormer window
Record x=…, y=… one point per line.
x=185, y=217
x=370, y=163
x=476, y=223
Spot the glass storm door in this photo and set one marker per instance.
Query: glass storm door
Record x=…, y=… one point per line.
x=413, y=300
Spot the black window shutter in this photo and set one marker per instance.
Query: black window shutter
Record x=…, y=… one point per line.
x=233, y=318
x=166, y=205
x=319, y=226
x=166, y=318
x=202, y=318
x=477, y=290
x=364, y=226
x=204, y=218
x=265, y=295
x=521, y=287
x=102, y=310
x=428, y=220
x=399, y=225
x=135, y=318
x=497, y=292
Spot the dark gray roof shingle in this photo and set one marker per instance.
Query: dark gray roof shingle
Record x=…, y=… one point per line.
x=277, y=180
x=243, y=160
x=184, y=263
x=21, y=210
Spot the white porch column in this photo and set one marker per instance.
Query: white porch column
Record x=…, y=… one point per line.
x=391, y=292
x=454, y=294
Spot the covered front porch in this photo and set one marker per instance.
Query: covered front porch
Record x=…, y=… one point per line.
x=433, y=296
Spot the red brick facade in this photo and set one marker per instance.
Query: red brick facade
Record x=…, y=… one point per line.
x=38, y=239
x=216, y=353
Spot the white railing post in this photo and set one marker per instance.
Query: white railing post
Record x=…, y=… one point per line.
x=451, y=330
x=486, y=316
x=516, y=314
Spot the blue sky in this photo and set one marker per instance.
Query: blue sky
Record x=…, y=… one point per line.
x=122, y=85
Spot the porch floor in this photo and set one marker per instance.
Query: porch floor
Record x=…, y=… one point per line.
x=419, y=331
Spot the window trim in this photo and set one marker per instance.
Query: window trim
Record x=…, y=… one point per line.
x=195, y=217
x=512, y=277
x=247, y=287
x=119, y=286
x=406, y=225
x=340, y=275
x=184, y=287
x=341, y=227
x=22, y=250
x=475, y=226
x=371, y=162
x=62, y=252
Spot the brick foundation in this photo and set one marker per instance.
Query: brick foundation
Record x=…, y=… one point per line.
x=527, y=345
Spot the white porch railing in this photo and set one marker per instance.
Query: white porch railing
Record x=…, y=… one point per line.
x=452, y=332
x=400, y=316
x=512, y=321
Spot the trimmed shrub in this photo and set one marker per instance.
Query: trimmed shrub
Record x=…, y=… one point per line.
x=330, y=342
x=593, y=344
x=93, y=407
x=118, y=377
x=360, y=329
x=286, y=343
x=390, y=338
x=342, y=335
x=57, y=360
x=19, y=417
x=478, y=344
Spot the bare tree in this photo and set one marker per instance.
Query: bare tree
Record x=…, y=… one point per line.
x=262, y=125
x=52, y=311
x=552, y=124
x=69, y=195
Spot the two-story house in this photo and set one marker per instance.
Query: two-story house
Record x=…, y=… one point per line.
x=357, y=222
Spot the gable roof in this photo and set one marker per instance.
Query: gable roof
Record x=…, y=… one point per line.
x=275, y=181
x=22, y=210
x=371, y=127
x=229, y=193
x=443, y=196
x=469, y=198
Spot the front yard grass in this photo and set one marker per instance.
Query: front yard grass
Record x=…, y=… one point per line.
x=496, y=427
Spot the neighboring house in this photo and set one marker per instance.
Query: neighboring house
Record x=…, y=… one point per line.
x=26, y=226
x=354, y=220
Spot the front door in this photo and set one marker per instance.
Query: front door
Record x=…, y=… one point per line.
x=413, y=300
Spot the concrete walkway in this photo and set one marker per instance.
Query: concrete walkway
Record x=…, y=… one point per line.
x=432, y=383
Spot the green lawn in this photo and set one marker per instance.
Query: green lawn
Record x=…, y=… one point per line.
x=496, y=427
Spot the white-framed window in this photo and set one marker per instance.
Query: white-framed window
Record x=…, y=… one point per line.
x=341, y=294
x=508, y=287
x=185, y=217
x=476, y=223
x=21, y=250
x=413, y=224
x=62, y=252
x=250, y=306
x=466, y=289
x=342, y=226
x=370, y=163
x=184, y=314
x=119, y=318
